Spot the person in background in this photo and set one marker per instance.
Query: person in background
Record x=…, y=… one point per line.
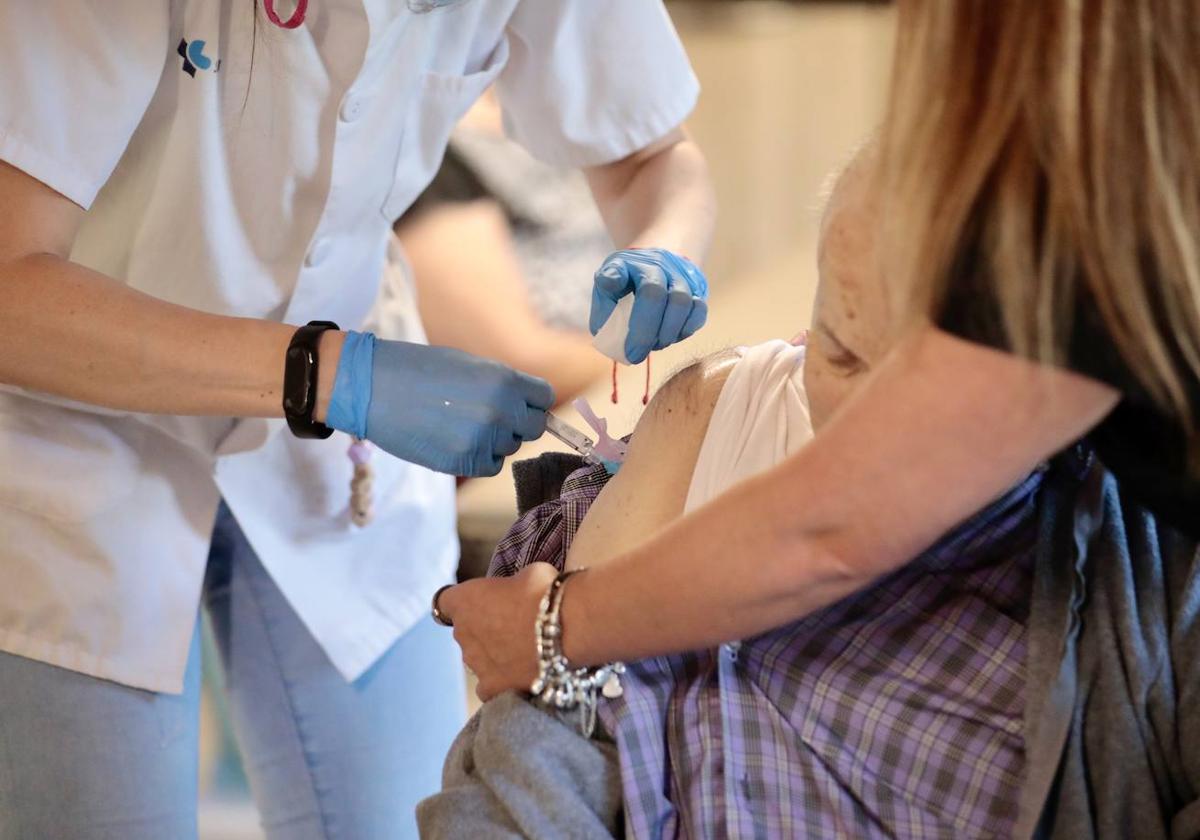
x=196, y=200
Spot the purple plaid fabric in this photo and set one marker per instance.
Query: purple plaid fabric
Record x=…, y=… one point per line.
x=896, y=712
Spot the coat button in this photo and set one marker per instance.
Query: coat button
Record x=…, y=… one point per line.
x=352, y=108
x=318, y=251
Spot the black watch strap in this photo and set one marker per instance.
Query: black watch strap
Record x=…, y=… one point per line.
x=300, y=381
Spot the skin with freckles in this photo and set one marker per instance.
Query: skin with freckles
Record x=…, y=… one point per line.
x=852, y=325
x=647, y=493
x=850, y=333
x=652, y=485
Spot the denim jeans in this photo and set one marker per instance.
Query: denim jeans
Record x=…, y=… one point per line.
x=82, y=757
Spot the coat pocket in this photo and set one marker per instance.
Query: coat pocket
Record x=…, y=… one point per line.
x=442, y=101
x=63, y=464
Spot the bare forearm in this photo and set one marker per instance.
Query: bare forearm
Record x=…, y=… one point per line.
x=78, y=334
x=686, y=590
x=662, y=198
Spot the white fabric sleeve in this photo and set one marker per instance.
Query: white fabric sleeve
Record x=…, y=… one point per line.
x=591, y=81
x=76, y=77
x=761, y=418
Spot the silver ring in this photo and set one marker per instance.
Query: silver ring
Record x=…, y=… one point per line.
x=439, y=616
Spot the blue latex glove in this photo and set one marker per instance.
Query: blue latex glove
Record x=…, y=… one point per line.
x=440, y=408
x=670, y=303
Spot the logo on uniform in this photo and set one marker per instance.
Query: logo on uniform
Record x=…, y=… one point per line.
x=194, y=58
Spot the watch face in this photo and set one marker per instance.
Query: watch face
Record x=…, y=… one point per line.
x=300, y=381
x=297, y=395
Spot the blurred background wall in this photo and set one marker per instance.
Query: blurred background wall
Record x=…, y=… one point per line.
x=788, y=88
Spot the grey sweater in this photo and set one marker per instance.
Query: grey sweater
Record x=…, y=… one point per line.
x=1112, y=716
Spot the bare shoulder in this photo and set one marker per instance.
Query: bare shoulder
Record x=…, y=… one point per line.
x=669, y=434
x=689, y=395
x=651, y=487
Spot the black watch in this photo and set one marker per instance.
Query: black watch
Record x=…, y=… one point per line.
x=300, y=381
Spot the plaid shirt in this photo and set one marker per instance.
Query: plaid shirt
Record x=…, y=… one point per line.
x=896, y=712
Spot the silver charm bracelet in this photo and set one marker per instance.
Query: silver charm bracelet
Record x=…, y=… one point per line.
x=558, y=684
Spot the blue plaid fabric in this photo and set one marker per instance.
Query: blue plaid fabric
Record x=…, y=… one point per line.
x=896, y=712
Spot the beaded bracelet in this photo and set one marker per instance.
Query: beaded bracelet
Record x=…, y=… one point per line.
x=559, y=685
x=361, y=485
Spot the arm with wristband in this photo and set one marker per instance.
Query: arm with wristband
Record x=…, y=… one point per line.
x=82, y=335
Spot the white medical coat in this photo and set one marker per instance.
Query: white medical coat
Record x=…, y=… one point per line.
x=263, y=189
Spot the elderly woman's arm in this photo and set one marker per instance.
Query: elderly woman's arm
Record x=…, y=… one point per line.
x=941, y=428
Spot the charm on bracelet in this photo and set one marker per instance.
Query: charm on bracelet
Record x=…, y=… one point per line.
x=558, y=684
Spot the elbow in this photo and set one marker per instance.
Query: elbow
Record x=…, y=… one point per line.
x=816, y=570
x=612, y=180
x=830, y=563
x=675, y=140
x=15, y=261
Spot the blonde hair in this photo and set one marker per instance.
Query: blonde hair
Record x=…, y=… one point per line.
x=1048, y=153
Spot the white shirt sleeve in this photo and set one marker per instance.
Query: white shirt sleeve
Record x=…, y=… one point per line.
x=591, y=81
x=76, y=77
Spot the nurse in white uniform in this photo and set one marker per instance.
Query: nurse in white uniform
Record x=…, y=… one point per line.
x=183, y=185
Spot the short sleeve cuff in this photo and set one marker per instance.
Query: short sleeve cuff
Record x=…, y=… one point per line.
x=61, y=176
x=614, y=135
